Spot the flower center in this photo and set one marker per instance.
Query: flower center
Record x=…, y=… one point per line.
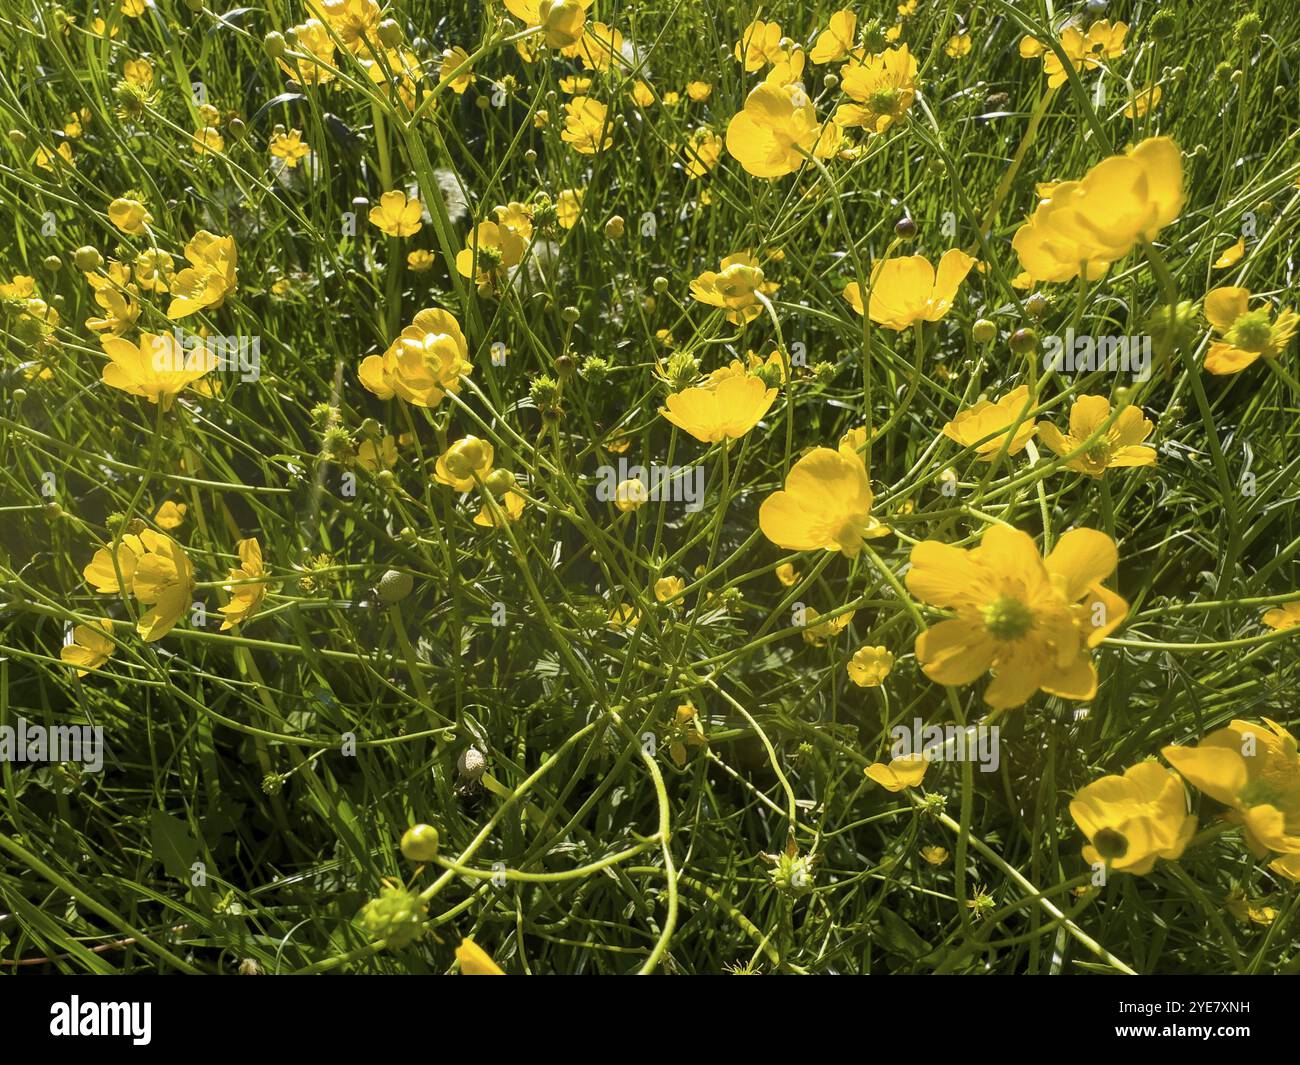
x=1251, y=331
x=1110, y=844
x=1007, y=618
x=884, y=100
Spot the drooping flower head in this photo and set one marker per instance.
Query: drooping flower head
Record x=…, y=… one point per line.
x=1134, y=819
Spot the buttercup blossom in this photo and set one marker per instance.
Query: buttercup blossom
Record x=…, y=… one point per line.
x=733, y=287
x=1085, y=50
x=1134, y=819
x=424, y=362
x=723, y=409
x=1286, y=616
x=1084, y=226
x=1119, y=446
x=210, y=277
x=1244, y=336
x=869, y=666
x=1255, y=771
x=908, y=290
x=759, y=45
x=973, y=425
x=777, y=130
x=89, y=648
x=883, y=88
x=489, y=253
x=825, y=505
x=1030, y=619
x=396, y=215
x=155, y=367
x=586, y=125
x=155, y=569
x=245, y=597
x=561, y=21
x=835, y=44
x=901, y=773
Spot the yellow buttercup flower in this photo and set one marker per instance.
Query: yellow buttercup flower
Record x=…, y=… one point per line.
x=115, y=296
x=586, y=125
x=958, y=46
x=154, y=270
x=245, y=597
x=170, y=515
x=777, y=129
x=289, y=147
x=1286, y=616
x=129, y=215
x=733, y=287
x=423, y=364
x=452, y=60
x=1118, y=446
x=89, y=648
x=699, y=91
x=869, y=666
x=561, y=21
x=759, y=45
x=208, y=141
x=1029, y=619
x=722, y=409
x=509, y=508
x=155, y=569
x=817, y=632
x=934, y=855
x=905, y=772
x=156, y=367
x=465, y=463
x=667, y=588
x=835, y=43
x=1231, y=255
x=396, y=215
x=355, y=22
x=489, y=253
x=376, y=455
x=210, y=277
x=1134, y=819
x=600, y=48
x=419, y=261
x=702, y=152
x=908, y=289
x=1245, y=336
x=972, y=426
x=787, y=574
x=1084, y=226
x=1144, y=102
x=1085, y=50
x=568, y=207
x=824, y=506
x=883, y=88
x=1255, y=771
x=474, y=960
x=139, y=72
x=312, y=42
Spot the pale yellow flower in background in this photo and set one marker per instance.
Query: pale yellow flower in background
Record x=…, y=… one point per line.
x=869, y=666
x=89, y=648
x=245, y=598
x=396, y=215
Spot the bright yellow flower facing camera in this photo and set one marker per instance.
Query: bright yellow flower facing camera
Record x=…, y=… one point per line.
x=1244, y=336
x=1031, y=620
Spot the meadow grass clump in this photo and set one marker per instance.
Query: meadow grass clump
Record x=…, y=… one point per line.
x=649, y=488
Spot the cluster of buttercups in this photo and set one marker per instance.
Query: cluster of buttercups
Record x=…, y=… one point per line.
x=1031, y=618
